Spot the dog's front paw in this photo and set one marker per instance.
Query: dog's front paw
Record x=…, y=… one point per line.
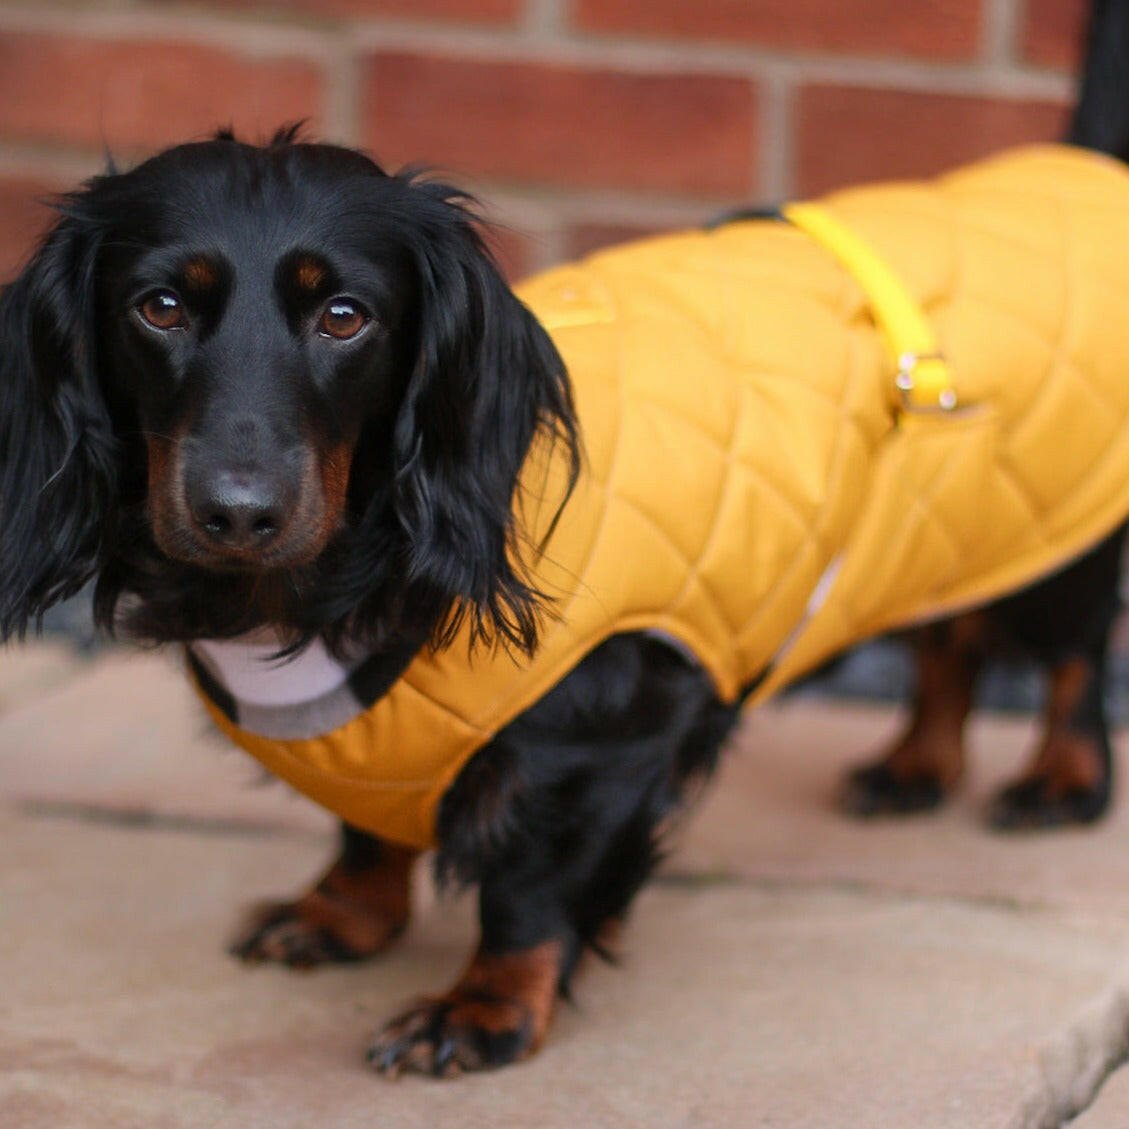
x=446, y=1035
x=315, y=929
x=496, y=1014
x=358, y=907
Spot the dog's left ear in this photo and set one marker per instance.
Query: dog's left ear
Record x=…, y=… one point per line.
x=487, y=380
x=57, y=464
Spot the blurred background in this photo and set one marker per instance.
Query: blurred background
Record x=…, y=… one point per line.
x=578, y=122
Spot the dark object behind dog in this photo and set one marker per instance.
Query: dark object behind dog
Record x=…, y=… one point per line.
x=293, y=409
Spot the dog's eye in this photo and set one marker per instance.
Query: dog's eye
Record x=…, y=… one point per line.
x=164, y=310
x=342, y=318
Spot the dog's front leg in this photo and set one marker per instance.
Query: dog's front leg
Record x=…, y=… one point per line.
x=355, y=910
x=499, y=1009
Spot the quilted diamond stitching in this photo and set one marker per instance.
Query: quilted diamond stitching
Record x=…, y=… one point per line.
x=955, y=283
x=1060, y=366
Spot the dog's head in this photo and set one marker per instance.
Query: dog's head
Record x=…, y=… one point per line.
x=246, y=384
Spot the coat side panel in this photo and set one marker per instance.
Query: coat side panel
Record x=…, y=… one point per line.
x=730, y=391
x=744, y=445
x=1022, y=263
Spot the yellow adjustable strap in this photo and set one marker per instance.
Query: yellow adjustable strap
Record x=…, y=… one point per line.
x=922, y=372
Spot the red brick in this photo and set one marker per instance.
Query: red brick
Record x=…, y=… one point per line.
x=130, y=93
x=933, y=29
x=462, y=11
x=1053, y=31
x=24, y=217
x=583, y=238
x=848, y=134
x=556, y=124
x=515, y=251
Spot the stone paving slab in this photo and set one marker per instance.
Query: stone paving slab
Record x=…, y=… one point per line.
x=771, y=813
x=737, y=1003
x=790, y=969
x=124, y=734
x=28, y=672
x=1111, y=1109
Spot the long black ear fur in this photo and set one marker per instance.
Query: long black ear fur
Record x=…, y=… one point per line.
x=57, y=465
x=488, y=380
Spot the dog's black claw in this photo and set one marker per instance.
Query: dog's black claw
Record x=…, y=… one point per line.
x=875, y=790
x=445, y=1063
x=448, y=1036
x=1034, y=805
x=291, y=943
x=305, y=934
x=385, y=1060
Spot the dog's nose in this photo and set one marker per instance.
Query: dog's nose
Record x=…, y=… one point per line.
x=238, y=511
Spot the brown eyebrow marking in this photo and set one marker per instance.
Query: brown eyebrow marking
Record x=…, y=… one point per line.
x=200, y=274
x=309, y=273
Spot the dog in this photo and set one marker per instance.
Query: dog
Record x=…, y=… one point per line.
x=282, y=409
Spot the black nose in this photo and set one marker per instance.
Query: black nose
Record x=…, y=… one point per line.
x=238, y=511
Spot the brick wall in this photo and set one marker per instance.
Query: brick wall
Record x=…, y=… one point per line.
x=579, y=121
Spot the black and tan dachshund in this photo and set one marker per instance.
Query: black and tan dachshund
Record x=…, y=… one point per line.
x=223, y=433
x=245, y=386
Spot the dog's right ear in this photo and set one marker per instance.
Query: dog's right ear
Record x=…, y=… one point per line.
x=58, y=474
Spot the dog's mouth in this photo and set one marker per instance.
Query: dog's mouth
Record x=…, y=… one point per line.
x=193, y=551
x=294, y=547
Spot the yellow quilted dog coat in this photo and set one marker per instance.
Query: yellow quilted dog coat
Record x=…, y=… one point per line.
x=757, y=486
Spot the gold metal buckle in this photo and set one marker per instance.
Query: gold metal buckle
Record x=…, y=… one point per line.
x=904, y=382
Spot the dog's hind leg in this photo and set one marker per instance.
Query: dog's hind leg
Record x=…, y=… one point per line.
x=926, y=762
x=1071, y=777
x=1064, y=621
x=355, y=910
